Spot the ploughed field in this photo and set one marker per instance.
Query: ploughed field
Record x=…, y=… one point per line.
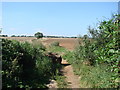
x=68, y=43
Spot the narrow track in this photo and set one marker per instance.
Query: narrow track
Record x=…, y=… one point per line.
x=71, y=78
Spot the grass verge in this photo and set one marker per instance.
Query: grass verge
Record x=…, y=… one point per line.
x=60, y=79
x=91, y=76
x=61, y=82
x=57, y=49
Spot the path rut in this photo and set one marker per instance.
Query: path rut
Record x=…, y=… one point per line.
x=71, y=78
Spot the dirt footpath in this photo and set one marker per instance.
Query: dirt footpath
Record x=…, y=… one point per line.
x=71, y=78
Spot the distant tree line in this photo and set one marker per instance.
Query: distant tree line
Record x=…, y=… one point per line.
x=43, y=36
x=3, y=35
x=21, y=36
x=33, y=36
x=58, y=37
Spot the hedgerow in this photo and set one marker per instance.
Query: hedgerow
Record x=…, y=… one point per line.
x=102, y=47
x=24, y=65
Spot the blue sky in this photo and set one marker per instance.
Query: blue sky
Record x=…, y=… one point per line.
x=54, y=18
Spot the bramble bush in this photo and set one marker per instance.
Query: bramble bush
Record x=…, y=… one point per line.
x=24, y=65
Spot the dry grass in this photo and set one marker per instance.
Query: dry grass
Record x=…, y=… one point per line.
x=21, y=39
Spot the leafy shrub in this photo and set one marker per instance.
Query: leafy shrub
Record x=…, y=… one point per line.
x=102, y=47
x=38, y=43
x=56, y=43
x=24, y=65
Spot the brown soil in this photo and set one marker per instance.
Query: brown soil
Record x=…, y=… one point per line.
x=68, y=43
x=71, y=78
x=21, y=39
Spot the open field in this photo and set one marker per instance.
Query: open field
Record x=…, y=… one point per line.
x=29, y=39
x=68, y=43
x=95, y=60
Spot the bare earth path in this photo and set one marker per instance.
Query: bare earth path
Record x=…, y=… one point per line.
x=71, y=78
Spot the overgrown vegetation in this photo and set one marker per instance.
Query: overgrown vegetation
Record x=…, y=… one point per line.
x=61, y=82
x=97, y=58
x=60, y=78
x=56, y=43
x=56, y=48
x=25, y=66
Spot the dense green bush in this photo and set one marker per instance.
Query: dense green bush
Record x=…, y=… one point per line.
x=24, y=65
x=102, y=47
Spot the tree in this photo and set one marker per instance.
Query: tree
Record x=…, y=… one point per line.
x=0, y=30
x=4, y=35
x=13, y=36
x=38, y=35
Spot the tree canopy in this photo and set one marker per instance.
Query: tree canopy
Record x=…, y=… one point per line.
x=38, y=35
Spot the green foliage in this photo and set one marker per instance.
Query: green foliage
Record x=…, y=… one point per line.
x=68, y=56
x=38, y=43
x=0, y=30
x=54, y=47
x=38, y=35
x=61, y=82
x=94, y=77
x=101, y=47
x=13, y=36
x=57, y=49
x=60, y=79
x=54, y=43
x=24, y=65
x=3, y=35
x=91, y=76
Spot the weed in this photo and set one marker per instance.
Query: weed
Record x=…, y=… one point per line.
x=56, y=43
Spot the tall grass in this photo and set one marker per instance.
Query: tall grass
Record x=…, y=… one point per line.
x=90, y=76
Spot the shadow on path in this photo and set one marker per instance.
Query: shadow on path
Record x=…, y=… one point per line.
x=65, y=64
